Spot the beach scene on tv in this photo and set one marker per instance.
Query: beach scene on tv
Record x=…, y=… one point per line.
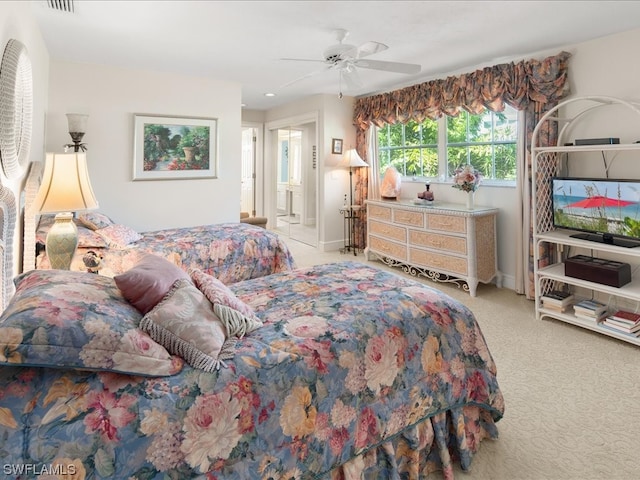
x=603, y=206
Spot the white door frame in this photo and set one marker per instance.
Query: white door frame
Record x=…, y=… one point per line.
x=270, y=163
x=259, y=173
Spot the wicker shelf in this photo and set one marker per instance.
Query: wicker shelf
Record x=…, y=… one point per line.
x=546, y=163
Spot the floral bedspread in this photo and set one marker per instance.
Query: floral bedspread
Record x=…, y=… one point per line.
x=353, y=369
x=229, y=251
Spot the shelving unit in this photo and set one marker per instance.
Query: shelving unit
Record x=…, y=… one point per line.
x=547, y=163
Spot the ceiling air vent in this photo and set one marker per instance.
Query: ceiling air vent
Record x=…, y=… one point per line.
x=61, y=5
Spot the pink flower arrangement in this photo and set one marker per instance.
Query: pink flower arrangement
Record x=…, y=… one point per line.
x=466, y=178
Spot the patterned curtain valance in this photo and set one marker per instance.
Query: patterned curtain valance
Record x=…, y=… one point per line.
x=516, y=84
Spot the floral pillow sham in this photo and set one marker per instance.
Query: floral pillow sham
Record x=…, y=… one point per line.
x=79, y=321
x=119, y=236
x=94, y=220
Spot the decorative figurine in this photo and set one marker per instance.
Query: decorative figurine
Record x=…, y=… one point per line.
x=92, y=261
x=427, y=194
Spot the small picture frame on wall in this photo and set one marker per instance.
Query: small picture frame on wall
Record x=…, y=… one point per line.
x=336, y=146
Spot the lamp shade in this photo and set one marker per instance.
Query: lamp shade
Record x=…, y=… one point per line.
x=77, y=122
x=352, y=159
x=65, y=185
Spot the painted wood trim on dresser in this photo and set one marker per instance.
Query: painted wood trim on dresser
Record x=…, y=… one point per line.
x=443, y=242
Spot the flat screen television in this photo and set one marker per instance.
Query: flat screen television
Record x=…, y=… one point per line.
x=603, y=210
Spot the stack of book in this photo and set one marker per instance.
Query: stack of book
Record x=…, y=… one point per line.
x=590, y=310
x=557, y=300
x=623, y=321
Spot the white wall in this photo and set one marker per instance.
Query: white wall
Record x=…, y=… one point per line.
x=605, y=67
x=111, y=96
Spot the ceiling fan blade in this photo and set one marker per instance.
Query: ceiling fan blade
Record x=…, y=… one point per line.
x=369, y=48
x=304, y=77
x=302, y=60
x=364, y=50
x=396, y=67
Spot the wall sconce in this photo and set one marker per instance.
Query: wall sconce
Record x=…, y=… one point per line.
x=77, y=129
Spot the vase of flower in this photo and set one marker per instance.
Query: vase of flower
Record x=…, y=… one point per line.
x=470, y=200
x=467, y=179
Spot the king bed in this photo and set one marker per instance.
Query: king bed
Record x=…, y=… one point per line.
x=337, y=371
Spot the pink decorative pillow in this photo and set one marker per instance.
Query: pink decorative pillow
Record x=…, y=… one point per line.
x=220, y=295
x=149, y=281
x=119, y=236
x=185, y=323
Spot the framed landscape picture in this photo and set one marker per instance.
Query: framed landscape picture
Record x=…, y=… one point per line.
x=174, y=148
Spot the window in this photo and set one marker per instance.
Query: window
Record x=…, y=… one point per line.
x=411, y=148
x=486, y=141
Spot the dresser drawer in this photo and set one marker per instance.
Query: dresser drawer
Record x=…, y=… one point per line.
x=390, y=249
x=437, y=261
x=438, y=241
x=388, y=231
x=376, y=211
x=405, y=217
x=446, y=223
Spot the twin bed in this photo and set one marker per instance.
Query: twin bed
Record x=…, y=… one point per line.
x=230, y=251
x=340, y=371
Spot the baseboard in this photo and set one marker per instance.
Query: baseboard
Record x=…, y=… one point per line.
x=508, y=281
x=333, y=246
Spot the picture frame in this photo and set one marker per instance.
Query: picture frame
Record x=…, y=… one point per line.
x=336, y=146
x=174, y=148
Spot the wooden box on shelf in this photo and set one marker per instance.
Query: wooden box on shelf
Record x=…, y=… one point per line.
x=598, y=270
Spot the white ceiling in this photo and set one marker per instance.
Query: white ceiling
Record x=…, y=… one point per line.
x=245, y=41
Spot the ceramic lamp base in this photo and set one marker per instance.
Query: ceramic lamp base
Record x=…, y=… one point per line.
x=62, y=241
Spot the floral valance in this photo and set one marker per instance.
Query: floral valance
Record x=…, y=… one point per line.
x=517, y=84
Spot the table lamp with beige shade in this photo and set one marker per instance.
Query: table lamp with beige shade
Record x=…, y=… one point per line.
x=65, y=188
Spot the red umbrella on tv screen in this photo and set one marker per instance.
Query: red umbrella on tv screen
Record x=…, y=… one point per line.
x=600, y=201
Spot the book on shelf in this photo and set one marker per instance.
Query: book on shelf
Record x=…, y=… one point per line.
x=616, y=328
x=557, y=297
x=621, y=325
x=627, y=317
x=590, y=307
x=556, y=308
x=590, y=316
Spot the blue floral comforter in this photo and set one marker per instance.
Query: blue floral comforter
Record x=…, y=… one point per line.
x=356, y=373
x=229, y=251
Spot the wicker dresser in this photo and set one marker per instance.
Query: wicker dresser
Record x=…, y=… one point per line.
x=443, y=242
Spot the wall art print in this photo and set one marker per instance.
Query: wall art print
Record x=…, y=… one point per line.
x=174, y=148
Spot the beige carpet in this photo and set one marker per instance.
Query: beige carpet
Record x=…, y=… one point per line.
x=572, y=396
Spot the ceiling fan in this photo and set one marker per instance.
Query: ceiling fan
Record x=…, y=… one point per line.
x=348, y=58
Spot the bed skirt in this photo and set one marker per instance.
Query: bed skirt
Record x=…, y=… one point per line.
x=431, y=445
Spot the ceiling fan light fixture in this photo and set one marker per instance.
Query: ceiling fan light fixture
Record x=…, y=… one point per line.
x=348, y=58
